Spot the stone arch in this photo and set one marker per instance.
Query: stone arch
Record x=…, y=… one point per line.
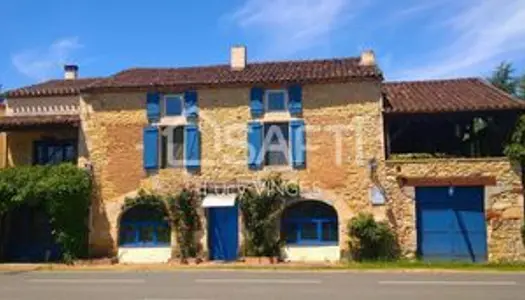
x=144, y=234
x=310, y=229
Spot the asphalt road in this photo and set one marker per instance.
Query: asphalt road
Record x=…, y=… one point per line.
x=233, y=285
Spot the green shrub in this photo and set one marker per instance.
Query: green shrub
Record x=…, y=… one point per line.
x=371, y=240
x=63, y=190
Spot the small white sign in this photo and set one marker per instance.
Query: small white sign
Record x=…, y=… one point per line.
x=376, y=196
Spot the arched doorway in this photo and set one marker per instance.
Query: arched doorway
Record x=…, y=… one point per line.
x=144, y=235
x=311, y=231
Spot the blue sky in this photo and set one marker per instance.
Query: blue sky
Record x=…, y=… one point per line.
x=413, y=39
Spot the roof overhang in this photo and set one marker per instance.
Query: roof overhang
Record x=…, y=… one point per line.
x=12, y=123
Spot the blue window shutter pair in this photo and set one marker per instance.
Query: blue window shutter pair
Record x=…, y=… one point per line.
x=192, y=149
x=295, y=102
x=190, y=104
x=255, y=140
x=153, y=106
x=298, y=143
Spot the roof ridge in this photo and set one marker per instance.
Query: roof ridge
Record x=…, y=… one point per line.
x=438, y=80
x=265, y=62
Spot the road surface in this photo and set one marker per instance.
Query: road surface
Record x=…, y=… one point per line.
x=260, y=285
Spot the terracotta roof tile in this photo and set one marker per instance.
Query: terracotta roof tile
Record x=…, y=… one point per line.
x=18, y=122
x=56, y=87
x=264, y=72
x=447, y=95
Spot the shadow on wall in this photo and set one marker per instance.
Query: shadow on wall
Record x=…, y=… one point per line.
x=101, y=242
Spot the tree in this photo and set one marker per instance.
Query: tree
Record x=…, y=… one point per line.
x=515, y=150
x=520, y=92
x=502, y=78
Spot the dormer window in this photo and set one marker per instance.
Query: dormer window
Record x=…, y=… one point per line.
x=173, y=105
x=276, y=100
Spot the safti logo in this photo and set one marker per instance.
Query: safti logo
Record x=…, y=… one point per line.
x=276, y=143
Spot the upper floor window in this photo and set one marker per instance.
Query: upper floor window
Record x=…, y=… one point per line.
x=276, y=100
x=172, y=147
x=276, y=144
x=173, y=105
x=54, y=152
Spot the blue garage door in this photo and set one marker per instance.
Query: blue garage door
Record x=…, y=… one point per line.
x=223, y=233
x=451, y=223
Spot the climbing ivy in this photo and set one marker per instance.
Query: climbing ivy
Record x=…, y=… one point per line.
x=64, y=192
x=261, y=209
x=186, y=221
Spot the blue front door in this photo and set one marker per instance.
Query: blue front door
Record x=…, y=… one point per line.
x=451, y=223
x=223, y=230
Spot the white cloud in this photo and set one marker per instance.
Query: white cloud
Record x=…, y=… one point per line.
x=289, y=26
x=42, y=64
x=479, y=34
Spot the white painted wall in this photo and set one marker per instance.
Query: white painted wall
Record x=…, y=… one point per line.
x=312, y=253
x=137, y=255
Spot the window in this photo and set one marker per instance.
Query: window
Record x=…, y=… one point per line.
x=144, y=226
x=173, y=105
x=276, y=144
x=276, y=100
x=172, y=147
x=309, y=223
x=54, y=152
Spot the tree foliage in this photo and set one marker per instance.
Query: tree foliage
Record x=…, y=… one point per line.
x=515, y=150
x=64, y=191
x=261, y=209
x=371, y=240
x=503, y=78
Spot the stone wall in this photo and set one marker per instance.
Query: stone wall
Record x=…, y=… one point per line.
x=346, y=114
x=503, y=202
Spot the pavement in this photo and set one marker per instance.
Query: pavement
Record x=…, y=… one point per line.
x=255, y=285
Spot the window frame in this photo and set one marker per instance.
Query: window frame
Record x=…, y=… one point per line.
x=299, y=222
x=137, y=225
x=264, y=146
x=162, y=150
x=267, y=102
x=62, y=143
x=164, y=101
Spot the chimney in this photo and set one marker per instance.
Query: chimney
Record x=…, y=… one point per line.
x=70, y=72
x=368, y=58
x=238, y=58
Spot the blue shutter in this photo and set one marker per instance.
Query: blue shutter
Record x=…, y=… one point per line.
x=153, y=107
x=298, y=141
x=192, y=147
x=256, y=102
x=295, y=103
x=151, y=148
x=255, y=139
x=190, y=104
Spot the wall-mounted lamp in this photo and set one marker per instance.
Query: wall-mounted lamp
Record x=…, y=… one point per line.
x=88, y=167
x=372, y=166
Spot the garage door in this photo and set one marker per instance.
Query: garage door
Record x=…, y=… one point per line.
x=451, y=223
